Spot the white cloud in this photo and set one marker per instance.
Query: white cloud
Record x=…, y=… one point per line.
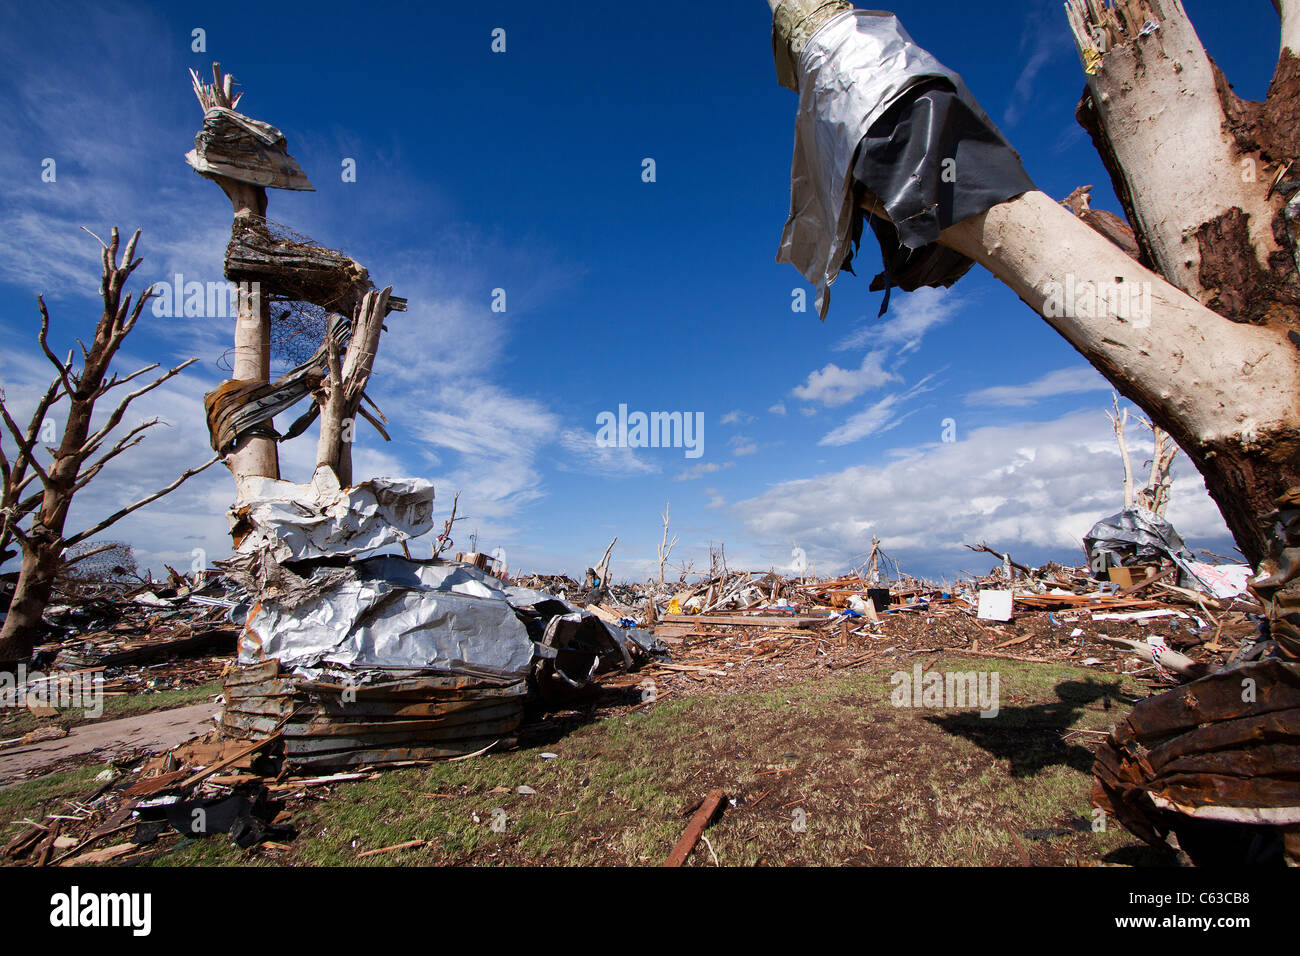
x=1033, y=488
x=699, y=471
x=741, y=445
x=736, y=417
x=778, y=408
x=1065, y=381
x=915, y=314
x=834, y=386
x=881, y=416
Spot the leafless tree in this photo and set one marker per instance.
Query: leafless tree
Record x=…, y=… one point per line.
x=665, y=546
x=35, y=514
x=1154, y=495
x=1210, y=188
x=340, y=394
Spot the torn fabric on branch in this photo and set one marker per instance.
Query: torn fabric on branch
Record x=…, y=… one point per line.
x=877, y=112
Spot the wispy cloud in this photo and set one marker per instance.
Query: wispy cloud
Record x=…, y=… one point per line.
x=915, y=314
x=1065, y=381
x=609, y=461
x=1036, y=486
x=699, y=471
x=877, y=418
x=1041, y=41
x=742, y=445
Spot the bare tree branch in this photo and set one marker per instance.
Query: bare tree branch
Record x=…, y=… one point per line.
x=63, y=367
x=114, y=419
x=1118, y=421
x=122, y=445
x=136, y=506
x=89, y=553
x=25, y=445
x=114, y=382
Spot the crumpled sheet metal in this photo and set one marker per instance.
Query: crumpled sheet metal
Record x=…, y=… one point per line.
x=1201, y=754
x=236, y=146
x=294, y=522
x=389, y=613
x=851, y=72
x=392, y=614
x=1146, y=533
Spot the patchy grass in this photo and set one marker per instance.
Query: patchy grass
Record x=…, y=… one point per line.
x=825, y=771
x=49, y=794
x=19, y=721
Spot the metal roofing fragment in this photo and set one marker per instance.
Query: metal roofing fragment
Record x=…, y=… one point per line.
x=293, y=522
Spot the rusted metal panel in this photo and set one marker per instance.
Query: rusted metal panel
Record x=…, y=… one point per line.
x=295, y=746
x=386, y=755
x=338, y=724
x=434, y=727
x=1223, y=748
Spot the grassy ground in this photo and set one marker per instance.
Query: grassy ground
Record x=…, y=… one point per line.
x=824, y=771
x=16, y=722
x=48, y=794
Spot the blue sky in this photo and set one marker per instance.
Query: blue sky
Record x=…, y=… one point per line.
x=522, y=171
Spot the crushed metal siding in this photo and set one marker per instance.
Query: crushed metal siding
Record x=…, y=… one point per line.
x=1200, y=754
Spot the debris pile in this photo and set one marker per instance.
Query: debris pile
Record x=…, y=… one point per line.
x=353, y=660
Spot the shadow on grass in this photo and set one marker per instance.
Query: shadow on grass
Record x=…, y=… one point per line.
x=1030, y=737
x=550, y=722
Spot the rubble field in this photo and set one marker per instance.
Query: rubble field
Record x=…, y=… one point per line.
x=780, y=693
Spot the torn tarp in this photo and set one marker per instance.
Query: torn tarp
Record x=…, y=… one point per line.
x=1138, y=536
x=876, y=109
x=294, y=522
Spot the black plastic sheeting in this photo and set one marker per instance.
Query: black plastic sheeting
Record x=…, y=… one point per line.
x=1137, y=536
x=933, y=159
x=879, y=113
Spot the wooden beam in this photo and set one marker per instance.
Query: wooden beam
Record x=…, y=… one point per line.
x=695, y=829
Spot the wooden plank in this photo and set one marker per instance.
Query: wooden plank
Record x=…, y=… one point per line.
x=695, y=829
x=318, y=726
x=394, y=710
x=243, y=724
x=408, y=845
x=798, y=621
x=250, y=673
x=238, y=755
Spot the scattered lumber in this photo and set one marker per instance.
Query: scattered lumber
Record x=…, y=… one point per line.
x=709, y=808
